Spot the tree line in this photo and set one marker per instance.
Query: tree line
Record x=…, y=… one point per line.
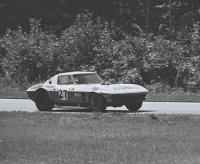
x=160, y=17
x=146, y=42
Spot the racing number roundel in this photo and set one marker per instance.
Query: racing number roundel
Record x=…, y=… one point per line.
x=63, y=94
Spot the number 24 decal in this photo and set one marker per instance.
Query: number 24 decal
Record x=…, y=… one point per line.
x=63, y=94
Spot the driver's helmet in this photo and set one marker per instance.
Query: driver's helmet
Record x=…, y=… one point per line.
x=58, y=70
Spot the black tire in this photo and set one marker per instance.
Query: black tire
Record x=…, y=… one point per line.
x=43, y=102
x=134, y=107
x=98, y=103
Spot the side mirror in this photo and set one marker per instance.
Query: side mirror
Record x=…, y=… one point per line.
x=50, y=82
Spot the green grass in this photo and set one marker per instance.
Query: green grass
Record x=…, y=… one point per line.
x=54, y=138
x=174, y=97
x=13, y=94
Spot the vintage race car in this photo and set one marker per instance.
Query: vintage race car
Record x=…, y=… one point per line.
x=85, y=89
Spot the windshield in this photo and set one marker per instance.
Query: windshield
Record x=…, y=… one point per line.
x=91, y=78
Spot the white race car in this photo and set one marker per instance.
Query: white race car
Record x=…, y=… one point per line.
x=85, y=89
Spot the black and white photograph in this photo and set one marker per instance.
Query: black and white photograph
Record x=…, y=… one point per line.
x=99, y=81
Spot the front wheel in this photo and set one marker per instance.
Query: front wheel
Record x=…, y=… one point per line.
x=98, y=103
x=134, y=107
x=43, y=102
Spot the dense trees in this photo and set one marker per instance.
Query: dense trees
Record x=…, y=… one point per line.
x=154, y=42
x=154, y=16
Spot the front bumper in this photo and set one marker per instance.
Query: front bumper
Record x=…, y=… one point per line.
x=122, y=99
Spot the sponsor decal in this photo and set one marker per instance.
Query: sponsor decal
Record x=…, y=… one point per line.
x=77, y=94
x=125, y=87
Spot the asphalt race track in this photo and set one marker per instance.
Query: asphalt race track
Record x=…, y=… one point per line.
x=148, y=107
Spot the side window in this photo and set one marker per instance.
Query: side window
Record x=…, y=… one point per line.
x=80, y=79
x=64, y=80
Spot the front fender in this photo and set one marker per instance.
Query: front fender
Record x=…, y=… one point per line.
x=49, y=93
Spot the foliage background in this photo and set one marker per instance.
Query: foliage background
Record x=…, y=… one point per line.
x=154, y=43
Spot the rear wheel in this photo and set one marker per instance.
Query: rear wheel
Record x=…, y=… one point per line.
x=43, y=102
x=134, y=107
x=98, y=103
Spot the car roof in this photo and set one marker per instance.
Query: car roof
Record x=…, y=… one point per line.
x=75, y=73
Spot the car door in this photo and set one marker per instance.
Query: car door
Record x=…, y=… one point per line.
x=65, y=87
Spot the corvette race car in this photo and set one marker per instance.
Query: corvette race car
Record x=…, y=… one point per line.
x=85, y=89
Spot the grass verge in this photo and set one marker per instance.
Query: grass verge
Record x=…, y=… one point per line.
x=13, y=94
x=54, y=138
x=173, y=97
